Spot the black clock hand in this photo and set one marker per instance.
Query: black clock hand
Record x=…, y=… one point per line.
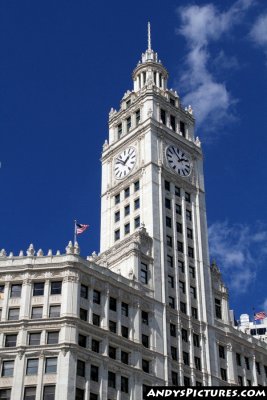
x=124, y=163
x=120, y=161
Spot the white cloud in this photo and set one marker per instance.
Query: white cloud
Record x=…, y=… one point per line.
x=239, y=252
x=201, y=25
x=258, y=33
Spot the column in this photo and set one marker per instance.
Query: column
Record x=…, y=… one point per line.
x=18, y=377
x=69, y=296
x=66, y=376
x=40, y=377
x=254, y=372
x=25, y=299
x=157, y=79
x=5, y=302
x=136, y=323
x=142, y=79
x=119, y=315
x=46, y=299
x=231, y=370
x=105, y=315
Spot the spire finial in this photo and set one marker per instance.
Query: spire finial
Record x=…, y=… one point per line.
x=148, y=36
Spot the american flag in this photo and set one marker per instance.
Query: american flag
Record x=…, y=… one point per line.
x=260, y=315
x=80, y=228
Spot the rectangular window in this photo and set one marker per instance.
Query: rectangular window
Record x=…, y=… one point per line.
x=168, y=222
x=5, y=394
x=124, y=357
x=173, y=123
x=179, y=227
x=124, y=384
x=137, y=117
x=223, y=374
x=198, y=363
x=94, y=373
x=192, y=272
x=172, y=330
x=119, y=128
x=172, y=101
x=238, y=359
x=187, y=381
x=38, y=289
x=186, y=358
x=182, y=286
x=174, y=378
x=193, y=292
x=183, y=307
x=174, y=353
x=189, y=233
x=29, y=393
x=84, y=292
x=194, y=312
x=125, y=332
x=49, y=392
x=144, y=317
x=128, y=124
x=188, y=215
x=137, y=222
x=37, y=312
x=112, y=352
x=167, y=185
x=190, y=252
x=181, y=266
x=145, y=340
x=56, y=287
x=79, y=395
x=112, y=304
x=13, y=314
x=95, y=345
x=178, y=209
x=11, y=340
x=184, y=335
x=34, y=339
x=54, y=311
x=8, y=368
x=196, y=340
x=187, y=197
x=221, y=352
x=247, y=363
x=52, y=337
x=167, y=203
x=117, y=235
x=83, y=314
x=163, y=116
x=127, y=210
x=15, y=290
x=82, y=340
x=32, y=366
x=96, y=320
x=128, y=103
x=182, y=128
x=177, y=191
x=124, y=309
x=180, y=246
x=80, y=368
x=169, y=261
x=144, y=273
x=136, y=186
x=137, y=203
x=117, y=216
x=169, y=240
x=171, y=302
x=51, y=365
x=117, y=198
x=240, y=380
x=170, y=281
x=2, y=289
x=258, y=368
x=127, y=229
x=218, y=309
x=96, y=297
x=111, y=380
x=112, y=326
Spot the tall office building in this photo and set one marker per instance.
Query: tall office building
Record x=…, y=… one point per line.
x=149, y=309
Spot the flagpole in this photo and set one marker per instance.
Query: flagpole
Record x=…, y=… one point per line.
x=75, y=235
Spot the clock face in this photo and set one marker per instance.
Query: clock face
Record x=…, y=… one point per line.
x=178, y=161
x=125, y=162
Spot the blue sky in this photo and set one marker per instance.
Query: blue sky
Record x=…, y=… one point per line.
x=64, y=64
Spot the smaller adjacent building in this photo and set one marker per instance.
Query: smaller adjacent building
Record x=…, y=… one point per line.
x=258, y=329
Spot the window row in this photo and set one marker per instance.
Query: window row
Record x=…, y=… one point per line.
x=184, y=336
x=181, y=266
x=131, y=121
x=37, y=290
x=178, y=210
x=34, y=338
x=117, y=232
x=36, y=312
x=126, y=193
x=7, y=368
x=177, y=191
x=127, y=210
x=172, y=122
x=179, y=228
x=180, y=246
x=49, y=392
x=193, y=290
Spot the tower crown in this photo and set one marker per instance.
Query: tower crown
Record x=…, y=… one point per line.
x=149, y=71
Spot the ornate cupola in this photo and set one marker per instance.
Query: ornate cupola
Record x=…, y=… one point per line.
x=150, y=71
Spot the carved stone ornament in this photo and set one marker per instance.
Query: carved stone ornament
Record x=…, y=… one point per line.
x=30, y=250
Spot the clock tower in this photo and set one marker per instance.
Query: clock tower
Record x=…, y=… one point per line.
x=153, y=216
